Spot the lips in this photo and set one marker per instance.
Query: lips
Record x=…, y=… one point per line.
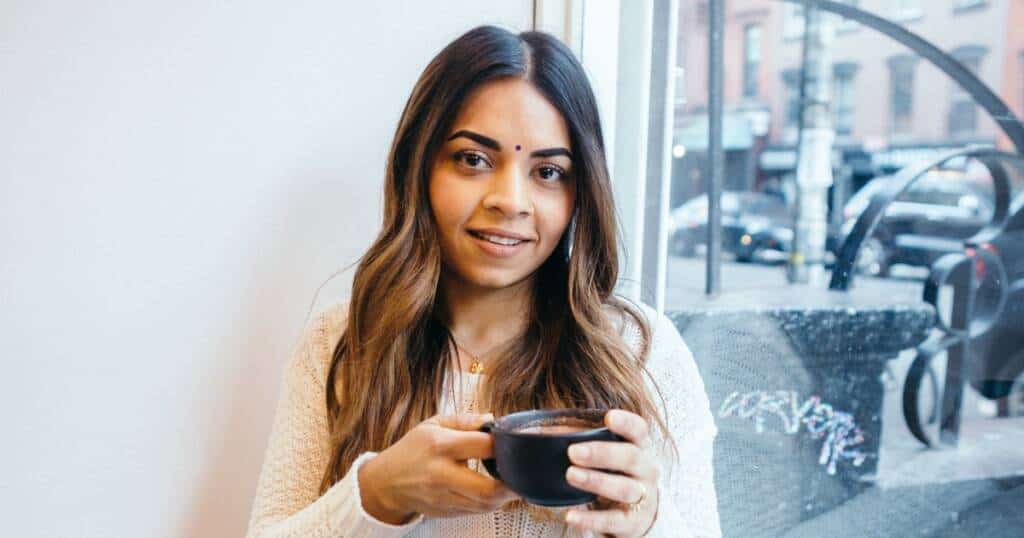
x=497, y=239
x=497, y=243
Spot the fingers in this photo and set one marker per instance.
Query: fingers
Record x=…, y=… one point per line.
x=458, y=437
x=465, y=422
x=615, y=521
x=613, y=456
x=490, y=493
x=629, y=425
x=462, y=446
x=450, y=504
x=462, y=491
x=617, y=488
x=470, y=503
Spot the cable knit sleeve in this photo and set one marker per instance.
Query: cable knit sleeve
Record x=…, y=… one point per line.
x=286, y=502
x=688, y=505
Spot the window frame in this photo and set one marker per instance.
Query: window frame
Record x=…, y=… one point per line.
x=639, y=113
x=844, y=72
x=904, y=65
x=906, y=10
x=960, y=6
x=752, y=63
x=961, y=105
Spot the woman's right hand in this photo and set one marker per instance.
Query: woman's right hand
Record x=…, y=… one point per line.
x=425, y=472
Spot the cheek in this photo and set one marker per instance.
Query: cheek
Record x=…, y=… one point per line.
x=556, y=214
x=445, y=204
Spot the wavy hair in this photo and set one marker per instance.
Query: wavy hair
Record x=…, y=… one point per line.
x=389, y=367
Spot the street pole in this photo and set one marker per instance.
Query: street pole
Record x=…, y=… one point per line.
x=716, y=152
x=814, y=161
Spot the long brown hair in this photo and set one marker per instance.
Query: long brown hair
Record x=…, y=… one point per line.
x=388, y=369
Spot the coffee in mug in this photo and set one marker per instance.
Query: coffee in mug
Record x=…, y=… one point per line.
x=531, y=452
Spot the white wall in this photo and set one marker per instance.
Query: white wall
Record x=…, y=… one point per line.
x=176, y=179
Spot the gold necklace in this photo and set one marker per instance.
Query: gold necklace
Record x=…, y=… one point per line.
x=475, y=365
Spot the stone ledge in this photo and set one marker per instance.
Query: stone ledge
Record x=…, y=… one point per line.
x=823, y=323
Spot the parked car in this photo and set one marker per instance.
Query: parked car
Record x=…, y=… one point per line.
x=931, y=219
x=998, y=370
x=754, y=226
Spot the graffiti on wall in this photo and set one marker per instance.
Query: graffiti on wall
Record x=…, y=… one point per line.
x=839, y=433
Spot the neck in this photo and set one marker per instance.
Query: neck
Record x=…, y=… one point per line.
x=481, y=319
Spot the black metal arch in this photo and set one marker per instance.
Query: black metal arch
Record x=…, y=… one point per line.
x=994, y=160
x=971, y=317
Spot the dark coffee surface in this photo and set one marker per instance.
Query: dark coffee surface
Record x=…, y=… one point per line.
x=558, y=425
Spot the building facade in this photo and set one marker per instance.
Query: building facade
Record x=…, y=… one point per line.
x=889, y=105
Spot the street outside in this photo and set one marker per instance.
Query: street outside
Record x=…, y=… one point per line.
x=685, y=280
x=932, y=491
x=686, y=284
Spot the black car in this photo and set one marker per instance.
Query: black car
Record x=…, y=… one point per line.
x=998, y=371
x=754, y=226
x=930, y=220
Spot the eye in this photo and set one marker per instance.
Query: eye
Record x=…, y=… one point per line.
x=551, y=173
x=471, y=159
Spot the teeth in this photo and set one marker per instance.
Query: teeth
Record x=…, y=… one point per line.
x=498, y=239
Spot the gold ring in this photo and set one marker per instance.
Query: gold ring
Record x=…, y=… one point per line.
x=634, y=506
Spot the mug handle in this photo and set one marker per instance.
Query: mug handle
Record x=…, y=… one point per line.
x=489, y=463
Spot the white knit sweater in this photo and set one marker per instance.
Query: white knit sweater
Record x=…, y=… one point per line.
x=287, y=504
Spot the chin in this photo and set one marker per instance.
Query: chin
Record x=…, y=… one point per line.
x=494, y=279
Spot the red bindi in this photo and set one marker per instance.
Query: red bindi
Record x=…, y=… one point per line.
x=518, y=147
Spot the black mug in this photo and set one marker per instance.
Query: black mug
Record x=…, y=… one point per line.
x=532, y=462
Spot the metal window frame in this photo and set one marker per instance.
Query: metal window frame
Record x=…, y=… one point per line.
x=637, y=119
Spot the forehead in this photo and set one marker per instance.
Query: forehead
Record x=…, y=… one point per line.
x=513, y=111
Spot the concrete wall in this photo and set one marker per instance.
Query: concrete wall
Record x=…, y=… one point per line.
x=176, y=180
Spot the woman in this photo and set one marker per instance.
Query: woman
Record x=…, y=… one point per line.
x=489, y=290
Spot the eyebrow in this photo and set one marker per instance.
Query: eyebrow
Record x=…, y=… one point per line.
x=493, y=144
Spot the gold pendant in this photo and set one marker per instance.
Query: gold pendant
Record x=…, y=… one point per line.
x=476, y=367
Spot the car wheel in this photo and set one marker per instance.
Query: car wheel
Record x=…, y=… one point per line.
x=1012, y=405
x=871, y=260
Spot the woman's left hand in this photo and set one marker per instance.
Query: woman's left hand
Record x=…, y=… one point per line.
x=639, y=479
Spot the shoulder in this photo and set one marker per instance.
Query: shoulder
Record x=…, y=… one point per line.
x=320, y=336
x=665, y=341
x=673, y=374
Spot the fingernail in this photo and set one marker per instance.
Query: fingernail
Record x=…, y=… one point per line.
x=576, y=475
x=613, y=419
x=579, y=452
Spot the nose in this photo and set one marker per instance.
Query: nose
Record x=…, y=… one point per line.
x=509, y=192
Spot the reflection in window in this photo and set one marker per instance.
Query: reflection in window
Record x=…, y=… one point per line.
x=1020, y=67
x=844, y=24
x=901, y=93
x=903, y=10
x=751, y=59
x=964, y=4
x=791, y=83
x=963, y=113
x=843, y=97
x=793, y=21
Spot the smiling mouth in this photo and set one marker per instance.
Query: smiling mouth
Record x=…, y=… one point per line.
x=497, y=239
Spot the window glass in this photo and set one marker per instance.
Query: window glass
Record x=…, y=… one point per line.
x=751, y=59
x=813, y=435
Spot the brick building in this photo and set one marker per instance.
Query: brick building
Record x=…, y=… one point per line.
x=888, y=104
